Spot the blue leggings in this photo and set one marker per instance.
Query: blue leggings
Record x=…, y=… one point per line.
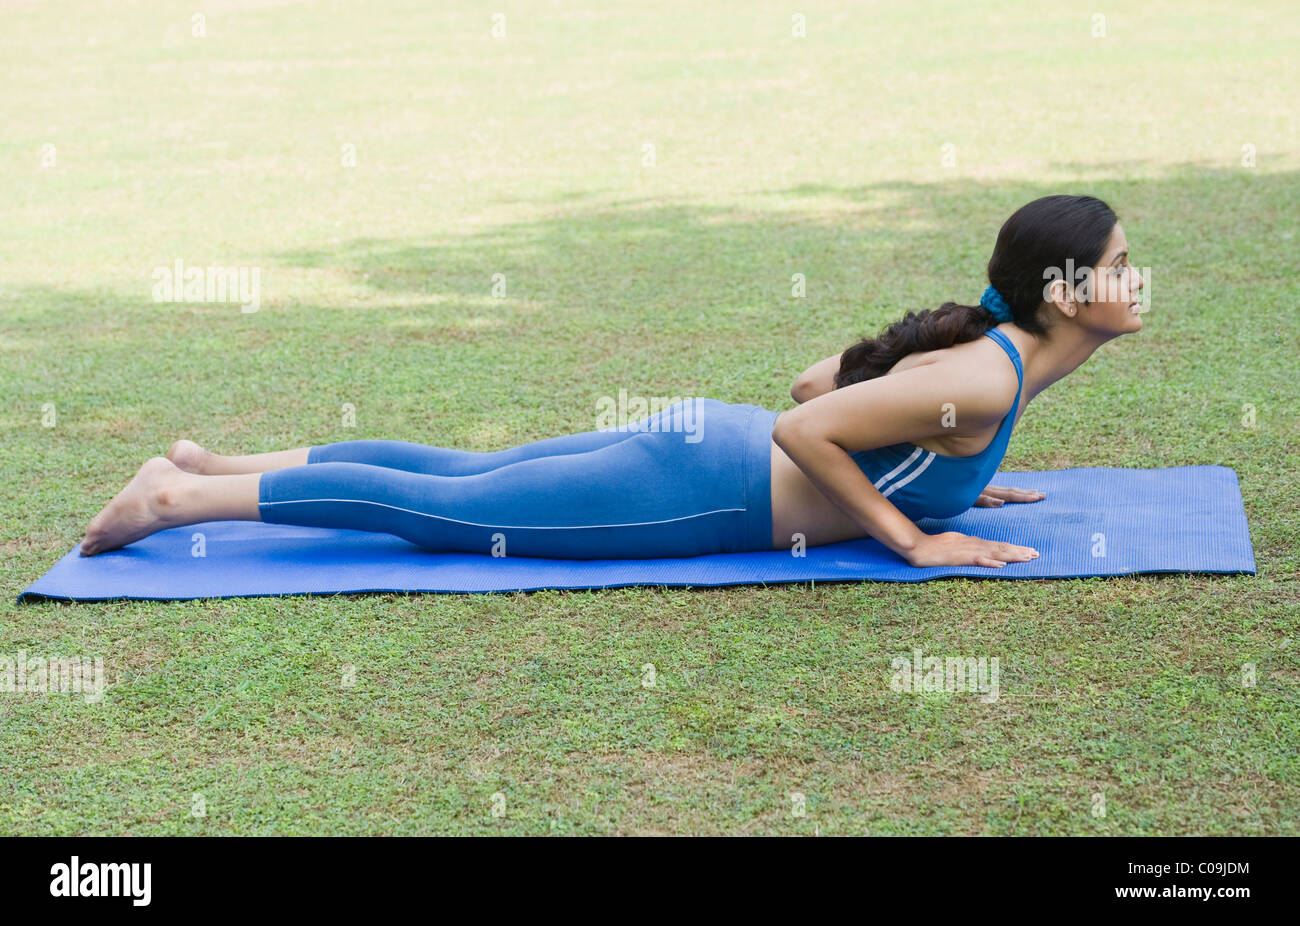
x=684, y=482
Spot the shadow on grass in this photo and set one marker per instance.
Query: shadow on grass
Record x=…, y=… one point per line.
x=868, y=253
x=680, y=299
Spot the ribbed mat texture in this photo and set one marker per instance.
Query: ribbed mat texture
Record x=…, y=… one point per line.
x=1093, y=522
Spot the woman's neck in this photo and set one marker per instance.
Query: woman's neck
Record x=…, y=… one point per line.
x=1055, y=356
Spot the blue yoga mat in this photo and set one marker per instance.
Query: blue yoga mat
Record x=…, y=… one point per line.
x=1093, y=522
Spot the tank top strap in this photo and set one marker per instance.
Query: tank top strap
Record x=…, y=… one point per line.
x=1014, y=354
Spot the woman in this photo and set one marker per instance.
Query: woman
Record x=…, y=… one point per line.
x=897, y=428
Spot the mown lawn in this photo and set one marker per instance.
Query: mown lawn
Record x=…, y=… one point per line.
x=525, y=156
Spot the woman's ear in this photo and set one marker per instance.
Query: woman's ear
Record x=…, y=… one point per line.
x=1061, y=295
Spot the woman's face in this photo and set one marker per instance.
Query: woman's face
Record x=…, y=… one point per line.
x=1113, y=304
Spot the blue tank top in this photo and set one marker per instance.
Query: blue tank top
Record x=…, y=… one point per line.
x=925, y=484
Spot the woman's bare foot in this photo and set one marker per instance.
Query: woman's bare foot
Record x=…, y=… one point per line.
x=192, y=458
x=149, y=503
x=188, y=455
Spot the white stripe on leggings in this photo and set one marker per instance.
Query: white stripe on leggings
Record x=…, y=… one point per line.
x=505, y=527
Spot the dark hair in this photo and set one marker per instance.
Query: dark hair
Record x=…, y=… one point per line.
x=1042, y=234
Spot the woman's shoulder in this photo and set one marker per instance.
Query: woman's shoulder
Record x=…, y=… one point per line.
x=979, y=374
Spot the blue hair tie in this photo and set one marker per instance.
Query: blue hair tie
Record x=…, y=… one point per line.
x=997, y=306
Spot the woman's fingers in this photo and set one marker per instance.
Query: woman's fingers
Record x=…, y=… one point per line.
x=1008, y=494
x=952, y=548
x=1011, y=551
x=999, y=554
x=987, y=501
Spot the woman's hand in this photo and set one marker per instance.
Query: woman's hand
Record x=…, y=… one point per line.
x=996, y=496
x=954, y=549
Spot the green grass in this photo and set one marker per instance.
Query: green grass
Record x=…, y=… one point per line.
x=523, y=156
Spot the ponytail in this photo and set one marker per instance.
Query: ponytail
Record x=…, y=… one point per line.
x=918, y=331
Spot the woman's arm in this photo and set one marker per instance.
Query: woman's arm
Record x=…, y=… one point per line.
x=818, y=379
x=820, y=434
